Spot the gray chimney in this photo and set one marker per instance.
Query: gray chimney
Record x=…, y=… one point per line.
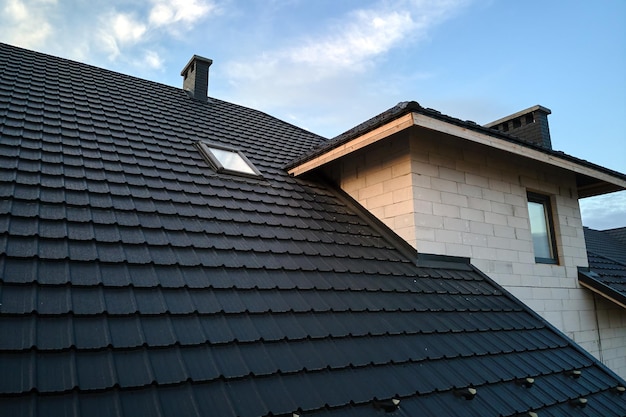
x=196, y=77
x=530, y=125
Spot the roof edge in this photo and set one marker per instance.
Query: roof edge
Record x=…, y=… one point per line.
x=617, y=183
x=408, y=251
x=587, y=278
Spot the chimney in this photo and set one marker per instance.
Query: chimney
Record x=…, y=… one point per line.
x=530, y=125
x=196, y=77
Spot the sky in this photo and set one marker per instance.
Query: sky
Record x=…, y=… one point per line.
x=328, y=65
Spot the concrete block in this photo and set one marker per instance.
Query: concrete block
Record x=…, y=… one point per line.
x=451, y=174
x=427, y=194
x=470, y=190
x=425, y=234
x=455, y=224
x=370, y=191
x=419, y=180
x=481, y=228
x=493, y=195
x=447, y=210
x=381, y=200
x=454, y=199
x=436, y=248
x=473, y=239
x=518, y=222
x=444, y=185
x=454, y=249
x=479, y=203
x=502, y=208
x=397, y=183
x=404, y=221
x=402, y=194
x=495, y=218
x=478, y=180
x=448, y=236
x=423, y=207
x=378, y=176
x=398, y=209
x=472, y=214
x=428, y=220
x=515, y=200
x=424, y=168
x=504, y=231
x=498, y=185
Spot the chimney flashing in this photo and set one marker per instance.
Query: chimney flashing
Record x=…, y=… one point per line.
x=196, y=77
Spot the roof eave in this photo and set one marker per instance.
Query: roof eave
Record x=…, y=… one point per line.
x=586, y=279
x=591, y=179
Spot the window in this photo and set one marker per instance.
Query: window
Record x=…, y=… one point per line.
x=542, y=228
x=225, y=159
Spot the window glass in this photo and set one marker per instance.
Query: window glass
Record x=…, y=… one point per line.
x=225, y=159
x=541, y=228
x=231, y=160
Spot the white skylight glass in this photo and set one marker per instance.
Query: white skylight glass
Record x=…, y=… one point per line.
x=228, y=159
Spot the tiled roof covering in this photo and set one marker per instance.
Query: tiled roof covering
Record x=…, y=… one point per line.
x=136, y=281
x=618, y=233
x=607, y=265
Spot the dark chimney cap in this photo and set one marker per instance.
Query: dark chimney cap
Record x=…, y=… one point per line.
x=530, y=125
x=532, y=109
x=196, y=77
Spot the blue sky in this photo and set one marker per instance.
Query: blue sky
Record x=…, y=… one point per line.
x=327, y=65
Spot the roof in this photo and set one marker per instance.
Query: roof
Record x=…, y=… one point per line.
x=591, y=179
x=135, y=280
x=606, y=274
x=618, y=233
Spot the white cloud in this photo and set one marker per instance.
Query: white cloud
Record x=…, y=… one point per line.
x=126, y=29
x=337, y=63
x=25, y=23
x=170, y=12
x=368, y=33
x=153, y=60
x=604, y=212
x=118, y=30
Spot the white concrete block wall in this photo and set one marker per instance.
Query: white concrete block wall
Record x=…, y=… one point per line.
x=456, y=199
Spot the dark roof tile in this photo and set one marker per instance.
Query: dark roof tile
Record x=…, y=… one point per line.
x=607, y=264
x=135, y=280
x=91, y=332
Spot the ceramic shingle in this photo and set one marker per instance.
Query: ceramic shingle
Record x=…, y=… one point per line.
x=135, y=280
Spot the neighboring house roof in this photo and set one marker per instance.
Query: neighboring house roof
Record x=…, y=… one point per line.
x=618, y=233
x=591, y=179
x=135, y=280
x=606, y=274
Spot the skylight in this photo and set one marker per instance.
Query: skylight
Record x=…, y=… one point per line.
x=225, y=159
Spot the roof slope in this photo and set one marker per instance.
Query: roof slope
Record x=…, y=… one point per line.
x=607, y=264
x=134, y=280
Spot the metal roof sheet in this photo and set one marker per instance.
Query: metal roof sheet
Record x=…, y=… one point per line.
x=136, y=280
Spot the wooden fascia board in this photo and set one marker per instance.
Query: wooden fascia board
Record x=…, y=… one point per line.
x=602, y=294
x=468, y=134
x=355, y=144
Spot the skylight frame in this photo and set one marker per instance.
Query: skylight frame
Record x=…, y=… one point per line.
x=221, y=165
